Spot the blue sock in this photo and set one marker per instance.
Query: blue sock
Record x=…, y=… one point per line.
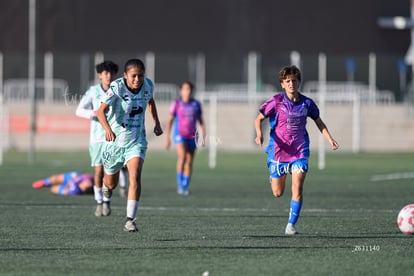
x=179, y=180
x=186, y=182
x=295, y=207
x=47, y=181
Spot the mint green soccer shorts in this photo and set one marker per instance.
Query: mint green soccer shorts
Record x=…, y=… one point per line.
x=95, y=152
x=114, y=157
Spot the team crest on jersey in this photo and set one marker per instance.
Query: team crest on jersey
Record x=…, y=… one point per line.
x=305, y=111
x=147, y=95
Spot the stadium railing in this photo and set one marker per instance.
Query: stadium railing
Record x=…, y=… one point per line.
x=16, y=90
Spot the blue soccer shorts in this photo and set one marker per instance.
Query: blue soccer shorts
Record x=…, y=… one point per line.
x=278, y=169
x=189, y=143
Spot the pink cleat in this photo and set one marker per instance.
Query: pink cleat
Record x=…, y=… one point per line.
x=38, y=184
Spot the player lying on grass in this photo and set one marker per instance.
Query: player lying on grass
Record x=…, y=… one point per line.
x=122, y=115
x=184, y=114
x=288, y=149
x=87, y=108
x=69, y=183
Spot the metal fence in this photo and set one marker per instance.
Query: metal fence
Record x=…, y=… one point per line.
x=236, y=76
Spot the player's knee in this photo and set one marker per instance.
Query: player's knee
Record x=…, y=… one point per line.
x=181, y=161
x=110, y=182
x=277, y=193
x=110, y=185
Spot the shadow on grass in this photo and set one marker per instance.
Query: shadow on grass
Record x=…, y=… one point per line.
x=345, y=237
x=195, y=247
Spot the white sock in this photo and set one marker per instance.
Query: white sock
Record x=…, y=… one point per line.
x=132, y=208
x=123, y=177
x=98, y=194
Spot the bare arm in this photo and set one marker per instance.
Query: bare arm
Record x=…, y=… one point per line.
x=100, y=113
x=168, y=131
x=258, y=126
x=325, y=132
x=153, y=110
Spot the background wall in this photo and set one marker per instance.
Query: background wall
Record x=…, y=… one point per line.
x=59, y=129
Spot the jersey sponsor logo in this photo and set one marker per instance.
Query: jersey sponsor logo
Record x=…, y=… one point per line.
x=126, y=125
x=135, y=111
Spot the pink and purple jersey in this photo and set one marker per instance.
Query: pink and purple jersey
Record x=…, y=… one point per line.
x=186, y=115
x=71, y=181
x=289, y=139
x=74, y=188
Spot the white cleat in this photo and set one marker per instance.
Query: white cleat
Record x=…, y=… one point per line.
x=290, y=229
x=106, y=208
x=98, y=211
x=130, y=226
x=183, y=192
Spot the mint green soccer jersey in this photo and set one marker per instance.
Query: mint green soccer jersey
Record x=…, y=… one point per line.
x=126, y=113
x=89, y=103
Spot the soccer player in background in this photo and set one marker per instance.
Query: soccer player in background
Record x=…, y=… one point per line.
x=184, y=114
x=122, y=115
x=87, y=108
x=69, y=183
x=288, y=149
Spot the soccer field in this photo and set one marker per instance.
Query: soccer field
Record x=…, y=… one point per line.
x=229, y=225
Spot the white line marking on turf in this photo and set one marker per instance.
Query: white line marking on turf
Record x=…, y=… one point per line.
x=216, y=210
x=311, y=210
x=392, y=176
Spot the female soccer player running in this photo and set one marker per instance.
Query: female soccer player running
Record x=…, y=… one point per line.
x=288, y=149
x=185, y=112
x=87, y=108
x=122, y=115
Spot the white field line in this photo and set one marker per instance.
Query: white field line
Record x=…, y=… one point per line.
x=233, y=210
x=392, y=176
x=220, y=210
x=266, y=210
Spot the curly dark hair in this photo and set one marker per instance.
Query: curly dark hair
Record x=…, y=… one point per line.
x=108, y=66
x=288, y=71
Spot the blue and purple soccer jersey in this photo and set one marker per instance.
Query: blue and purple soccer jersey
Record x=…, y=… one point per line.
x=289, y=140
x=186, y=115
x=71, y=180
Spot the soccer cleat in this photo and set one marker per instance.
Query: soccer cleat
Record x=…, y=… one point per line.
x=183, y=192
x=38, y=184
x=106, y=191
x=98, y=211
x=290, y=229
x=130, y=226
x=122, y=192
x=106, y=208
